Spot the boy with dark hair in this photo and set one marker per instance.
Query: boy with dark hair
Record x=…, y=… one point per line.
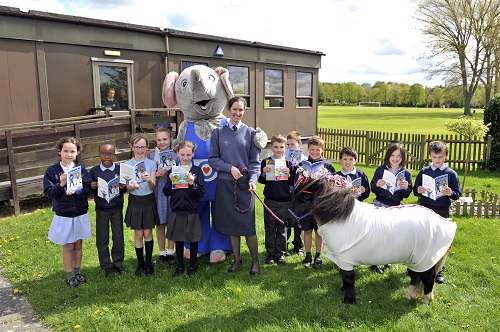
x=294, y=141
x=438, y=151
x=315, y=147
x=108, y=213
x=348, y=157
x=277, y=197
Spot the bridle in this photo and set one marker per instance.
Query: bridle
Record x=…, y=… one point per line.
x=302, y=180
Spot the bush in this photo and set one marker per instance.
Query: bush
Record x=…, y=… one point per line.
x=492, y=115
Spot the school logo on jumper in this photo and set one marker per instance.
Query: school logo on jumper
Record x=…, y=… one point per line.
x=207, y=170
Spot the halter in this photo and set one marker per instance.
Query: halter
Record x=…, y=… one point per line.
x=301, y=180
x=298, y=219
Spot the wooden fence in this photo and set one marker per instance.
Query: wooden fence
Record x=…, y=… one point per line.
x=26, y=150
x=482, y=204
x=371, y=147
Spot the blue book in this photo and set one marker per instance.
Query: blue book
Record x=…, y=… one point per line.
x=74, y=182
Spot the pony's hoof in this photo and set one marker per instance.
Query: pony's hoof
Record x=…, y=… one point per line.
x=349, y=301
x=217, y=256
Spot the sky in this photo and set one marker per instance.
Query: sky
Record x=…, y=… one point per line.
x=364, y=41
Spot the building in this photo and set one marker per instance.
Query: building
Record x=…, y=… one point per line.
x=55, y=66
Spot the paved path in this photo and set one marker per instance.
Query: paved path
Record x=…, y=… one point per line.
x=16, y=313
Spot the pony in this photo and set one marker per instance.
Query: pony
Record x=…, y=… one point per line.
x=356, y=233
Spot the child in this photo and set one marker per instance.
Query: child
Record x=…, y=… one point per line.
x=163, y=143
x=277, y=197
x=70, y=224
x=108, y=213
x=438, y=150
x=394, y=162
x=142, y=214
x=184, y=221
x=294, y=141
x=315, y=147
x=348, y=158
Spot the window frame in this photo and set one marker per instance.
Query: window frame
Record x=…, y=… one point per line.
x=299, y=97
x=246, y=96
x=268, y=97
x=127, y=64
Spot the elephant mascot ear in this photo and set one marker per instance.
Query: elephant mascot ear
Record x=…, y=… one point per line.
x=224, y=77
x=168, y=89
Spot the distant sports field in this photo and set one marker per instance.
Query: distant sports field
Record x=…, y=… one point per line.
x=390, y=119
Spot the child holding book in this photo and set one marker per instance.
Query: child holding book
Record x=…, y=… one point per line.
x=71, y=223
x=184, y=221
x=277, y=197
x=142, y=214
x=294, y=144
x=109, y=211
x=165, y=158
x=357, y=177
x=450, y=190
x=391, y=194
x=315, y=147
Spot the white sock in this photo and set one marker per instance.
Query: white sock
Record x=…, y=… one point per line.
x=170, y=251
x=163, y=253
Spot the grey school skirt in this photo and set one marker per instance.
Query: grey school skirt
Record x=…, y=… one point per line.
x=142, y=212
x=228, y=220
x=184, y=227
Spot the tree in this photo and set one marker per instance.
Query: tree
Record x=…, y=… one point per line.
x=436, y=97
x=470, y=128
x=458, y=32
x=417, y=95
x=492, y=115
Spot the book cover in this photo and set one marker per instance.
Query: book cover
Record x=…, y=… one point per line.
x=279, y=164
x=314, y=167
x=270, y=176
x=392, y=180
x=356, y=183
x=108, y=190
x=74, y=181
x=165, y=159
x=434, y=186
x=293, y=156
x=179, y=177
x=131, y=174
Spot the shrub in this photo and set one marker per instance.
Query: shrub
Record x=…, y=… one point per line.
x=492, y=115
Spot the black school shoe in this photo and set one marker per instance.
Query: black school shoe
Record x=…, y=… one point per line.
x=149, y=270
x=191, y=272
x=178, y=272
x=307, y=262
x=318, y=263
x=80, y=278
x=109, y=272
x=139, y=270
x=170, y=259
x=72, y=282
x=281, y=260
x=376, y=269
x=269, y=260
x=439, y=277
x=121, y=269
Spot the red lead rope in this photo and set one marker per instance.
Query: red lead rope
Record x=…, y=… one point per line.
x=235, y=193
x=268, y=209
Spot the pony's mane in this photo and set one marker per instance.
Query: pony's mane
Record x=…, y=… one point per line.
x=331, y=203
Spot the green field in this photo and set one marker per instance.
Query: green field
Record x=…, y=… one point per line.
x=389, y=119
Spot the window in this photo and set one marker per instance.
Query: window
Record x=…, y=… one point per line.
x=113, y=83
x=240, y=81
x=304, y=90
x=273, y=83
x=187, y=64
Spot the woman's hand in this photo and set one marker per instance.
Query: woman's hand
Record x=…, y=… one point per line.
x=251, y=186
x=235, y=172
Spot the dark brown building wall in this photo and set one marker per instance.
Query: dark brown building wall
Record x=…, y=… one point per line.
x=70, y=80
x=19, y=99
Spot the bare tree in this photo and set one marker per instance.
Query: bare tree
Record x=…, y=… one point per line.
x=458, y=32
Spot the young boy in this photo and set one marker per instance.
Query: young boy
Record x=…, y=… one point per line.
x=315, y=147
x=348, y=158
x=294, y=141
x=438, y=150
x=108, y=213
x=277, y=197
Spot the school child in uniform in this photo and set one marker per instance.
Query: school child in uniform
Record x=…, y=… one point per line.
x=394, y=162
x=294, y=141
x=163, y=137
x=277, y=197
x=438, y=151
x=348, y=157
x=108, y=213
x=184, y=221
x=142, y=214
x=71, y=223
x=315, y=147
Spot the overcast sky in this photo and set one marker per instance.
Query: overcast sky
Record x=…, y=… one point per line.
x=364, y=40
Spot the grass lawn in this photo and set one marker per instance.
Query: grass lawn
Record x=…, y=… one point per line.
x=281, y=298
x=390, y=119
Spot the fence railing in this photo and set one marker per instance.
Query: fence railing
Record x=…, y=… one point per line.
x=26, y=150
x=481, y=204
x=372, y=145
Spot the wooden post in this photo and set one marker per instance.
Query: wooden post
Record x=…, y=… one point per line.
x=12, y=171
x=77, y=136
x=132, y=122
x=368, y=147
